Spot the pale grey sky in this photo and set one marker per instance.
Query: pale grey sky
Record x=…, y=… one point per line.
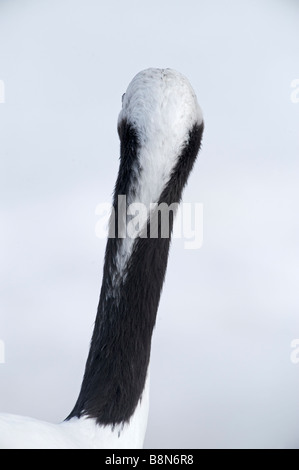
x=221, y=370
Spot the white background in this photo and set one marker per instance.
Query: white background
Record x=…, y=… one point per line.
x=221, y=370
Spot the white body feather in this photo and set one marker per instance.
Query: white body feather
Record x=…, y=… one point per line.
x=20, y=432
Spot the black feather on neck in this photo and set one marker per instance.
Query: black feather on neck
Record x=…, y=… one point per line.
x=119, y=354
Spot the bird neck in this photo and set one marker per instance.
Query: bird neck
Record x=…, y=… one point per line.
x=134, y=271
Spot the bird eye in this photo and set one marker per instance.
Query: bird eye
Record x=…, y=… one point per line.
x=122, y=98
